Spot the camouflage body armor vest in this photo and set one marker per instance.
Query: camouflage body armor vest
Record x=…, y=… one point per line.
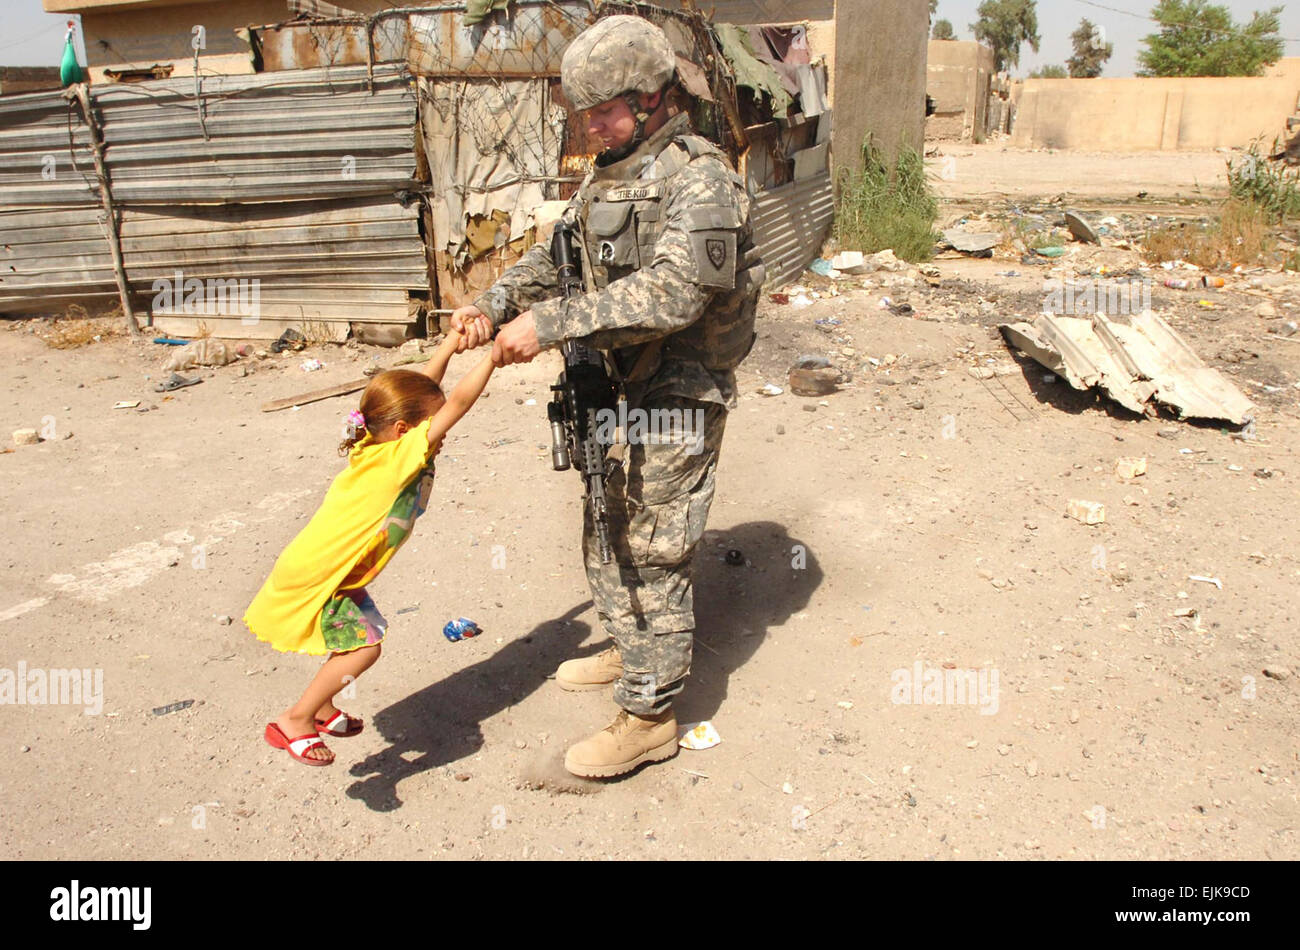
x=621, y=222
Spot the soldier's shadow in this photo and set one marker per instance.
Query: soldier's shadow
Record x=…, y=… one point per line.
x=736, y=604
x=440, y=723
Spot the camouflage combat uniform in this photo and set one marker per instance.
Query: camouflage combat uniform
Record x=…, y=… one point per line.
x=670, y=266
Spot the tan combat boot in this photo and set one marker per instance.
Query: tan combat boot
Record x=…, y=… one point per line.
x=591, y=672
x=624, y=744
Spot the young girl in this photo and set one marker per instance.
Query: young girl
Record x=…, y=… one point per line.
x=315, y=600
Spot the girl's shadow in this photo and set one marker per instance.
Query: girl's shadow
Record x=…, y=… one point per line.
x=440, y=723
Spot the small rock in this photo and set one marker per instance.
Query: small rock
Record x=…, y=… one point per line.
x=787, y=788
x=1277, y=672
x=1266, y=311
x=973, y=744
x=809, y=408
x=521, y=744
x=780, y=430
x=24, y=748
x=224, y=620
x=1087, y=512
x=1031, y=768
x=1130, y=467
x=1074, y=715
x=462, y=776
x=26, y=437
x=1004, y=749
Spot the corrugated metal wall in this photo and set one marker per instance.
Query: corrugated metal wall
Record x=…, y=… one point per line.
x=305, y=134
x=299, y=180
x=790, y=224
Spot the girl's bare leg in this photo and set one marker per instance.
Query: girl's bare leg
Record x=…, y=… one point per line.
x=339, y=670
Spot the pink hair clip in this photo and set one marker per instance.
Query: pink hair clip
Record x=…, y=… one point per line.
x=356, y=419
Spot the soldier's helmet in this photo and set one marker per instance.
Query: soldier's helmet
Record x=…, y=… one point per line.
x=617, y=56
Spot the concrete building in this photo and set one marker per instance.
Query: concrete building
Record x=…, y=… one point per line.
x=16, y=79
x=959, y=77
x=876, y=59
x=1124, y=115
x=135, y=36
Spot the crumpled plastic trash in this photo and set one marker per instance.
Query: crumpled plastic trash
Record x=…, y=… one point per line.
x=205, y=352
x=310, y=366
x=699, y=736
x=771, y=390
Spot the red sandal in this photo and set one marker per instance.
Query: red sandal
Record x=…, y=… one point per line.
x=352, y=725
x=299, y=747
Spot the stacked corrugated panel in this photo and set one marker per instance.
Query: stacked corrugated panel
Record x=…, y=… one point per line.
x=53, y=250
x=790, y=224
x=301, y=181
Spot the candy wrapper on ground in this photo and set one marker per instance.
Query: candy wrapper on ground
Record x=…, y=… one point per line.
x=461, y=629
x=699, y=736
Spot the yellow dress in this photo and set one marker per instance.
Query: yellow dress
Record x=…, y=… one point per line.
x=368, y=513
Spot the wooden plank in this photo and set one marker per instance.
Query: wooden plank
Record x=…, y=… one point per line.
x=329, y=392
x=342, y=389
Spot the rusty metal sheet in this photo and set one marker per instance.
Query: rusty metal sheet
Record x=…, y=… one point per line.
x=313, y=45
x=529, y=43
x=1139, y=365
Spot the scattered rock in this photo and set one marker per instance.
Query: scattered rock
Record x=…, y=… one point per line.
x=26, y=437
x=1130, y=467
x=224, y=620
x=1266, y=311
x=1087, y=512
x=1277, y=672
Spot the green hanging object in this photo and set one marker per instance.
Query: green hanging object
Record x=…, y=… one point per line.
x=69, y=70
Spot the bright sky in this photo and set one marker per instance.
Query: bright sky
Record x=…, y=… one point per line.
x=31, y=37
x=1125, y=23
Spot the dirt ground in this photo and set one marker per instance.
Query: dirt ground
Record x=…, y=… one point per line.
x=916, y=516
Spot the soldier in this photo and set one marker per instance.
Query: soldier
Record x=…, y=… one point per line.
x=672, y=283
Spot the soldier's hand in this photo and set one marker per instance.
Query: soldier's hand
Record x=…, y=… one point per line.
x=517, y=341
x=473, y=325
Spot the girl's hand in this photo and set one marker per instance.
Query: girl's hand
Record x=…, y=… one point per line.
x=473, y=325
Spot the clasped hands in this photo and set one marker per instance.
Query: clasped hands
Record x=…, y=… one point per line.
x=516, y=342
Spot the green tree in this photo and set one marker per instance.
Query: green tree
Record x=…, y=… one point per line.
x=1090, y=51
x=1198, y=38
x=1050, y=72
x=943, y=31
x=1004, y=25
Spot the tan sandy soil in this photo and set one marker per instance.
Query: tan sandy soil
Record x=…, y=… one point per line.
x=916, y=515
